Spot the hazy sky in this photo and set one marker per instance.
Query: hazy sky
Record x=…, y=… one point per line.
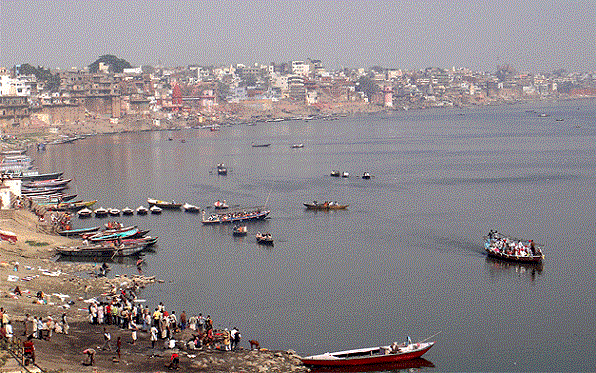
x=535, y=36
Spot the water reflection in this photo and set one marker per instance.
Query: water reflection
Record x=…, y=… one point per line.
x=497, y=267
x=408, y=366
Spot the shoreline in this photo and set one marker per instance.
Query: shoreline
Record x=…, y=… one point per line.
x=65, y=292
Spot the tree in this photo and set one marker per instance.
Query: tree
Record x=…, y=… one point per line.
x=368, y=86
x=116, y=65
x=147, y=69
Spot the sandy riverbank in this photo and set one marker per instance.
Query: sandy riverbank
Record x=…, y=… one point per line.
x=34, y=253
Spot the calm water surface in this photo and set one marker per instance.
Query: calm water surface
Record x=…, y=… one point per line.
x=406, y=258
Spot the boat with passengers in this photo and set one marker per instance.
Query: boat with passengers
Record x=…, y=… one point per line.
x=235, y=216
x=504, y=247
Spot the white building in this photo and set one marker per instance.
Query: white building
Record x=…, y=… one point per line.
x=14, y=86
x=9, y=190
x=300, y=68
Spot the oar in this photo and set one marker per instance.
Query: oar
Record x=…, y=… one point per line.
x=434, y=335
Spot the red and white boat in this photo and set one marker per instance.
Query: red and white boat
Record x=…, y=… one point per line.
x=371, y=355
x=8, y=236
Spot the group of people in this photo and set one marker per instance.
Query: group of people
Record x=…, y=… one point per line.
x=160, y=325
x=512, y=247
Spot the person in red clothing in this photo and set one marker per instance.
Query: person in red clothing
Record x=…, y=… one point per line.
x=174, y=361
x=118, y=346
x=29, y=349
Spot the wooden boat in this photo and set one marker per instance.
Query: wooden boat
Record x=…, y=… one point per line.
x=78, y=231
x=47, y=183
x=35, y=175
x=163, y=204
x=85, y=213
x=297, y=146
x=114, y=212
x=366, y=176
x=260, y=145
x=220, y=205
x=101, y=250
x=114, y=236
x=72, y=206
x=335, y=173
x=127, y=211
x=53, y=198
x=142, y=210
x=325, y=206
x=8, y=236
x=221, y=169
x=503, y=247
x=371, y=355
x=235, y=216
x=264, y=238
x=345, y=174
x=155, y=209
x=100, y=212
x=240, y=230
x=50, y=189
x=191, y=208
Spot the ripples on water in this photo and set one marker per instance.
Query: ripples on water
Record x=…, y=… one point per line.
x=406, y=258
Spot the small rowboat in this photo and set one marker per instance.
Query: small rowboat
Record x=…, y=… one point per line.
x=100, y=212
x=85, y=213
x=78, y=231
x=191, y=208
x=512, y=249
x=8, y=236
x=220, y=204
x=325, y=206
x=239, y=230
x=142, y=210
x=155, y=209
x=264, y=238
x=372, y=355
x=297, y=146
x=261, y=145
x=127, y=211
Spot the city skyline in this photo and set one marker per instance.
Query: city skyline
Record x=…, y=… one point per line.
x=531, y=36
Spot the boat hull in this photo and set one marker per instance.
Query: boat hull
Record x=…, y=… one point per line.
x=312, y=206
x=490, y=248
x=328, y=360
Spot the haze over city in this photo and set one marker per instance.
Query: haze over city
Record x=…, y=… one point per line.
x=536, y=36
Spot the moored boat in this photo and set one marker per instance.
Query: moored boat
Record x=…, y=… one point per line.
x=85, y=212
x=163, y=204
x=114, y=212
x=8, y=236
x=155, y=209
x=372, y=355
x=366, y=176
x=142, y=210
x=127, y=211
x=99, y=250
x=78, y=231
x=504, y=247
x=100, y=212
x=335, y=173
x=191, y=208
x=325, y=206
x=47, y=183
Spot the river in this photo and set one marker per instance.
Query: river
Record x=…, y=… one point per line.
x=405, y=259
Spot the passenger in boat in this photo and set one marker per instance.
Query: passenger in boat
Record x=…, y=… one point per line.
x=394, y=348
x=532, y=247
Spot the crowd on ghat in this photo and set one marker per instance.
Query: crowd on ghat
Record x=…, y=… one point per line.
x=122, y=311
